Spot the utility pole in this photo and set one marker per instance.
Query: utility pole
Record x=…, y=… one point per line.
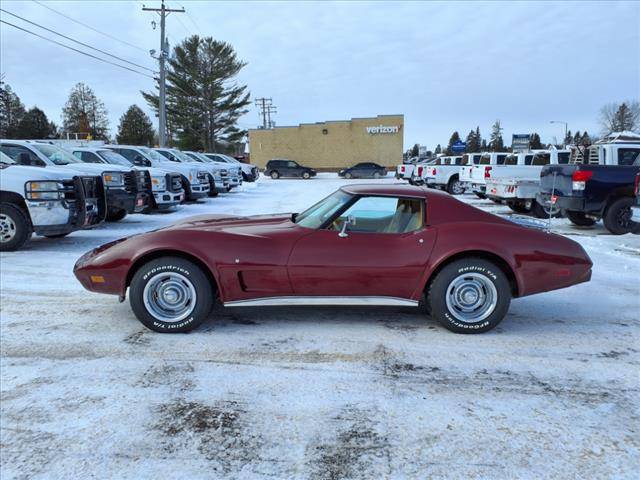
x=270, y=109
x=164, y=53
x=266, y=108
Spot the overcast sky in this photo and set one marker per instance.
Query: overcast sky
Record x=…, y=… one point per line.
x=445, y=66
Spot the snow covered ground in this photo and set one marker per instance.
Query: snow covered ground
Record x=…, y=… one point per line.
x=321, y=393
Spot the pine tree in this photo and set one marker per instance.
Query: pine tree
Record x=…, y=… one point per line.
x=84, y=113
x=568, y=139
x=585, y=139
x=455, y=137
x=438, y=150
x=473, y=141
x=204, y=102
x=34, y=124
x=11, y=112
x=619, y=118
x=483, y=146
x=479, y=138
x=577, y=137
x=415, y=150
x=135, y=127
x=496, y=143
x=534, y=142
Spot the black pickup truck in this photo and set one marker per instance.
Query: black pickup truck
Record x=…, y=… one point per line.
x=587, y=193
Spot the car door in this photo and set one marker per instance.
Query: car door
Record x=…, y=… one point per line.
x=383, y=255
x=292, y=169
x=22, y=155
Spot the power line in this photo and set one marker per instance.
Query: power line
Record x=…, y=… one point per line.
x=78, y=41
x=90, y=27
x=76, y=50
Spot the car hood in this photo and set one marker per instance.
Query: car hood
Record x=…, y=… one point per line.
x=95, y=168
x=251, y=225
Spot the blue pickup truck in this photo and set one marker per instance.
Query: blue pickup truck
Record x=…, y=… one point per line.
x=599, y=184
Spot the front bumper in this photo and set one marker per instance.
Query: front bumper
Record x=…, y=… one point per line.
x=165, y=200
x=118, y=199
x=199, y=190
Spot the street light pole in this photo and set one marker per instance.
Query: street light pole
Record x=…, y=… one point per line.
x=566, y=125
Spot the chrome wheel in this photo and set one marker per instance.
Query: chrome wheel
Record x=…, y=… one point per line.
x=456, y=188
x=169, y=297
x=7, y=228
x=471, y=297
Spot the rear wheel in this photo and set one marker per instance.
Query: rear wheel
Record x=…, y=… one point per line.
x=545, y=211
x=15, y=228
x=519, y=207
x=617, y=217
x=275, y=175
x=171, y=295
x=454, y=187
x=580, y=219
x=470, y=295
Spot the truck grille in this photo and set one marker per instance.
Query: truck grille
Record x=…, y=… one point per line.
x=130, y=182
x=91, y=191
x=143, y=181
x=174, y=182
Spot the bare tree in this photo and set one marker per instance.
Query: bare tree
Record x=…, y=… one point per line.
x=619, y=117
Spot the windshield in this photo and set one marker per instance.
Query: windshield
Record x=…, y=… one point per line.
x=231, y=159
x=183, y=157
x=152, y=154
x=114, y=158
x=56, y=155
x=319, y=213
x=6, y=159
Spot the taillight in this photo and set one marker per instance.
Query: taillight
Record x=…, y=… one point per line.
x=580, y=178
x=487, y=172
x=637, y=189
x=433, y=172
x=402, y=169
x=419, y=171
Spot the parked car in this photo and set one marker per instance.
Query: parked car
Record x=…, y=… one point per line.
x=219, y=175
x=445, y=176
x=120, y=183
x=51, y=202
x=195, y=189
x=517, y=181
x=179, y=180
x=478, y=172
x=250, y=173
x=288, y=168
x=157, y=182
x=603, y=188
x=233, y=169
x=467, y=263
x=363, y=170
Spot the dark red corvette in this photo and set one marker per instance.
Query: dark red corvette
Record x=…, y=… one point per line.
x=362, y=245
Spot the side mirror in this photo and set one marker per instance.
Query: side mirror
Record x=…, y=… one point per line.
x=351, y=220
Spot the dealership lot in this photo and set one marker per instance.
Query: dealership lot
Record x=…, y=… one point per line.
x=335, y=392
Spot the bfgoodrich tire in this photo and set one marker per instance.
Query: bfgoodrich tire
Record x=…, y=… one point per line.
x=171, y=295
x=15, y=228
x=470, y=295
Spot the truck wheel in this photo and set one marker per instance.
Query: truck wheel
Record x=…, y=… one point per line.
x=471, y=295
x=454, y=187
x=275, y=175
x=171, y=295
x=15, y=228
x=544, y=211
x=617, y=217
x=579, y=218
x=115, y=215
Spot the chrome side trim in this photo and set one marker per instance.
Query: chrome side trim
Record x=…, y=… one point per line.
x=280, y=301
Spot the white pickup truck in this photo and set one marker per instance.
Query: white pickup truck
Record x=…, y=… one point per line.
x=221, y=173
x=445, y=175
x=160, y=180
x=469, y=160
x=517, y=181
x=481, y=171
x=249, y=173
x=51, y=202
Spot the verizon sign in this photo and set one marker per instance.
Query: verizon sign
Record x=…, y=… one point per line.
x=383, y=129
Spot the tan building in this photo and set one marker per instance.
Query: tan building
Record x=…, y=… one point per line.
x=332, y=145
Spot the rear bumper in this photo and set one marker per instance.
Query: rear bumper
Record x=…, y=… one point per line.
x=575, y=204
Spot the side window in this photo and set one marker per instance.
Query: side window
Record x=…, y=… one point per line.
x=629, y=156
x=500, y=159
x=541, y=159
x=21, y=155
x=528, y=159
x=292, y=164
x=563, y=158
x=89, y=157
x=383, y=215
x=127, y=153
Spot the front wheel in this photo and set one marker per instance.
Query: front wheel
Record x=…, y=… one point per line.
x=171, y=295
x=580, y=219
x=306, y=175
x=376, y=175
x=471, y=295
x=617, y=217
x=15, y=228
x=348, y=176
